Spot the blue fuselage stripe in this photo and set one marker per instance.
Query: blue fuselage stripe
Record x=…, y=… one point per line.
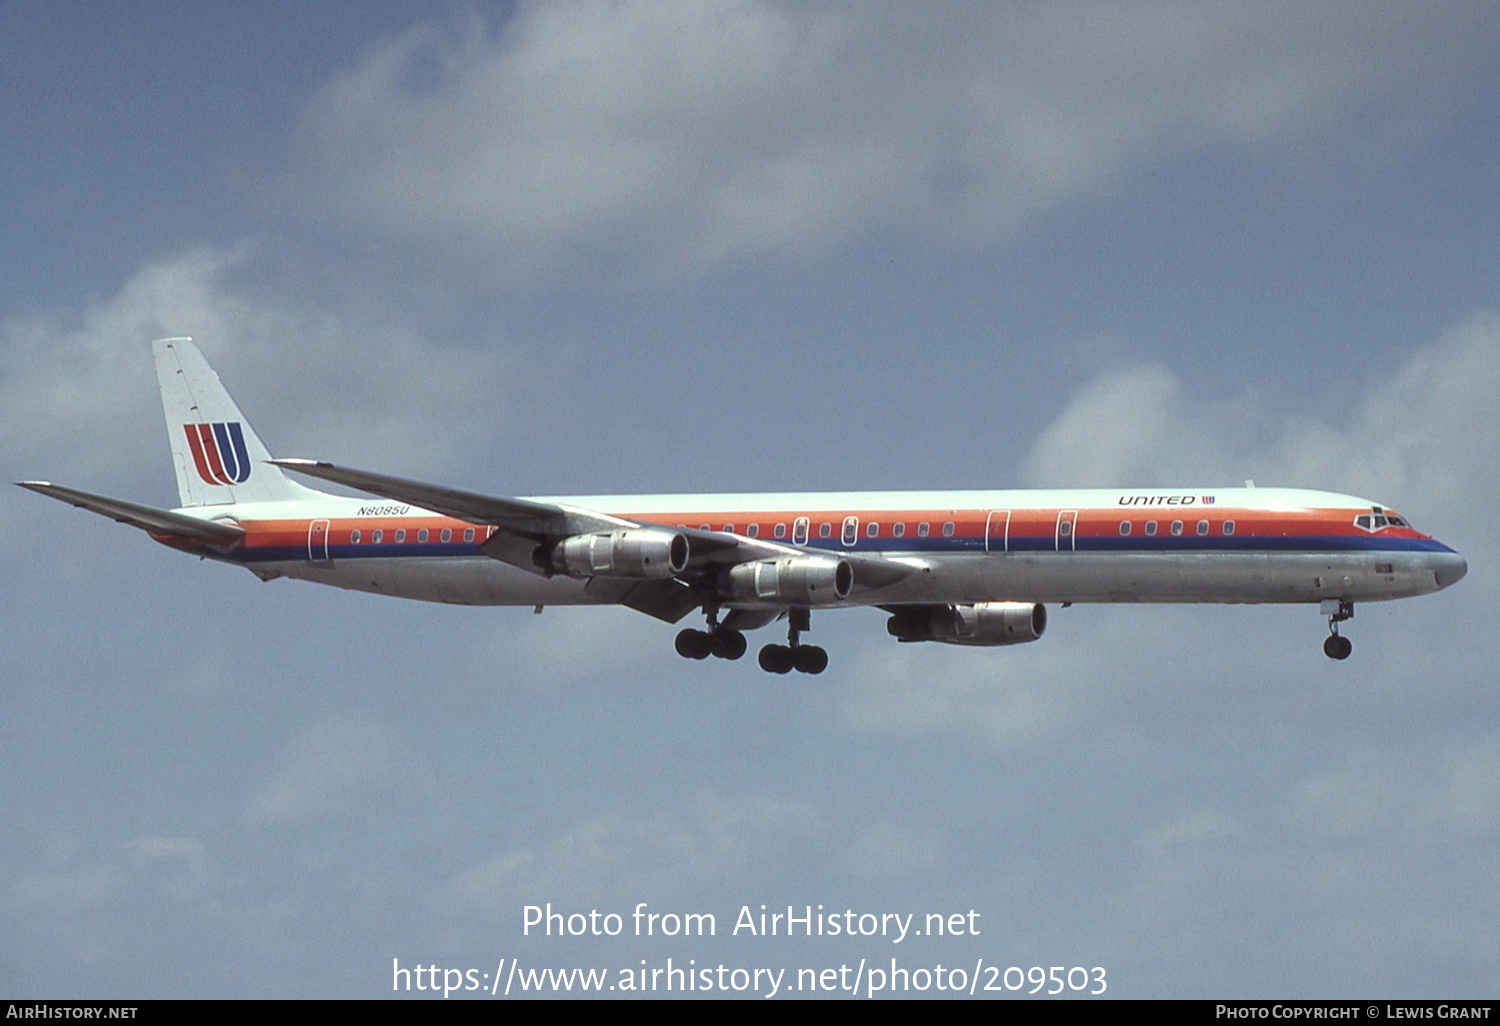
x=923, y=547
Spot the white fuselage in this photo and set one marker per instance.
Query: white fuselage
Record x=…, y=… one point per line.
x=1153, y=545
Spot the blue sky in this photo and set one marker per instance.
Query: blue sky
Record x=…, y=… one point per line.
x=753, y=246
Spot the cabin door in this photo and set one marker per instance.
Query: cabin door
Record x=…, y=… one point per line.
x=1067, y=529
x=997, y=531
x=317, y=540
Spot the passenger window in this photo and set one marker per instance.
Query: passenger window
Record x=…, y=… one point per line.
x=825, y=530
x=728, y=528
x=948, y=529
x=1229, y=527
x=400, y=535
x=752, y=530
x=780, y=531
x=376, y=536
x=422, y=535
x=899, y=531
x=1176, y=527
x=354, y=537
x=704, y=527
x=1150, y=527
x=1065, y=528
x=447, y=534
x=1124, y=527
x=1203, y=527
x=922, y=529
x=872, y=530
x=468, y=534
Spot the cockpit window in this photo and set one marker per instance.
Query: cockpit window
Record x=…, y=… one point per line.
x=1376, y=519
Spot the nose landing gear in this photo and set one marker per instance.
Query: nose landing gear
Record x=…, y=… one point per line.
x=1337, y=610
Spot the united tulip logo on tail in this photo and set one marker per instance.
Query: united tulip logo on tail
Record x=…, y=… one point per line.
x=219, y=452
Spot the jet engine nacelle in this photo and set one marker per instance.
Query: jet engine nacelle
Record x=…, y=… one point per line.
x=983, y=623
x=791, y=580
x=638, y=552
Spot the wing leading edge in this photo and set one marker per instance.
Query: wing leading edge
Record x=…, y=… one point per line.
x=538, y=520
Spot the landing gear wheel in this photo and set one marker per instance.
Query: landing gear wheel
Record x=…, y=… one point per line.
x=1337, y=647
x=727, y=644
x=794, y=655
x=1337, y=611
x=809, y=659
x=693, y=644
x=776, y=659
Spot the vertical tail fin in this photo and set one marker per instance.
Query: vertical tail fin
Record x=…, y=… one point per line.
x=217, y=455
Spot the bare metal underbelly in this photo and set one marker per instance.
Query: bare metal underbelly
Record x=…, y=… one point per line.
x=1148, y=577
x=992, y=577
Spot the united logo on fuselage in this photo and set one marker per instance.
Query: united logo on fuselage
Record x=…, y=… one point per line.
x=219, y=452
x=1160, y=500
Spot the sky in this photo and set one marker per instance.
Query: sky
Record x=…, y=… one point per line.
x=740, y=246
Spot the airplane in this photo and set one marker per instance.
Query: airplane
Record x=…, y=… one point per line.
x=959, y=567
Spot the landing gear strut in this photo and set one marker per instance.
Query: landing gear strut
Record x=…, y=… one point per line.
x=794, y=655
x=719, y=642
x=1337, y=610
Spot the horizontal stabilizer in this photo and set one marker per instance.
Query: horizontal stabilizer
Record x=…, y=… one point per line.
x=147, y=518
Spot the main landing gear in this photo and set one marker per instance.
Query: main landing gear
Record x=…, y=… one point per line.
x=727, y=643
x=1337, y=610
x=719, y=642
x=794, y=655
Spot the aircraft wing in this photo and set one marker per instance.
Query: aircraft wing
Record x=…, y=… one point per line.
x=147, y=518
x=535, y=520
x=523, y=524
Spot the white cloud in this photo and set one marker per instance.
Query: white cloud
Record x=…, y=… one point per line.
x=1360, y=866
x=1000, y=696
x=1430, y=434
x=1427, y=439
x=714, y=841
x=1130, y=428
x=699, y=133
x=330, y=769
x=180, y=866
x=886, y=852
x=70, y=890
x=1454, y=791
x=1239, y=877
x=73, y=383
x=70, y=883
x=563, y=648
x=78, y=392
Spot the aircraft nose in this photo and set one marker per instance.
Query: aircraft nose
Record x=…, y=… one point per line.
x=1447, y=567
